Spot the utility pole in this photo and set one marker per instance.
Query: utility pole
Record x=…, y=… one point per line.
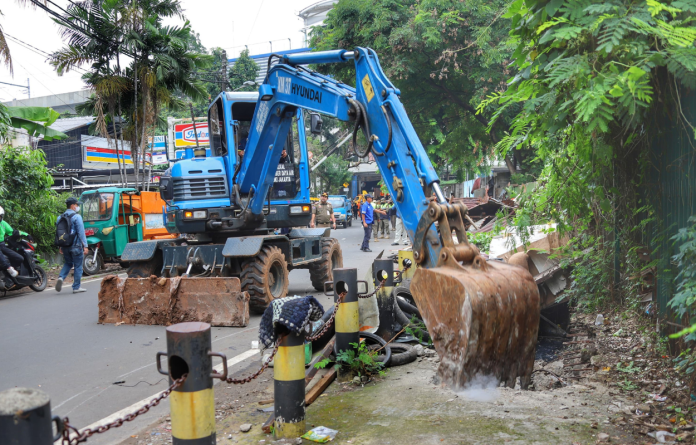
x=225, y=79
x=193, y=120
x=28, y=90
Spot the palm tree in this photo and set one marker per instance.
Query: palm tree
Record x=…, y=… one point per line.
x=162, y=64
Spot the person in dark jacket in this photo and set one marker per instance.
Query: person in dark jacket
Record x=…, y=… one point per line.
x=73, y=256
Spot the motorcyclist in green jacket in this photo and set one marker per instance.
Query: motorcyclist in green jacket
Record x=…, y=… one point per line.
x=9, y=259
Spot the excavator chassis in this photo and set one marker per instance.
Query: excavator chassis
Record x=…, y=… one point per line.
x=483, y=317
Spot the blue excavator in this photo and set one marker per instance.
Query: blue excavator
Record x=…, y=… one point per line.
x=482, y=315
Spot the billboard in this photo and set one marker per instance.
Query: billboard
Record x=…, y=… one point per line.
x=184, y=135
x=97, y=149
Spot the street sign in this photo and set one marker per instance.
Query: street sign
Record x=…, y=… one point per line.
x=159, y=150
x=184, y=136
x=345, y=184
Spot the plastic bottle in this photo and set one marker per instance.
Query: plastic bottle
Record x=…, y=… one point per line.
x=600, y=320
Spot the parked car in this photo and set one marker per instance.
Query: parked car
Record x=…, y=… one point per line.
x=342, y=212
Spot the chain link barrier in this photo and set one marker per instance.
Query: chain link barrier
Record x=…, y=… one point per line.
x=79, y=437
x=265, y=365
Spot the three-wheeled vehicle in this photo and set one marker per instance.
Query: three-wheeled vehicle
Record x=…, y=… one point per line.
x=116, y=216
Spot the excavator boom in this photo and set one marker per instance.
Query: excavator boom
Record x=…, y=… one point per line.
x=483, y=317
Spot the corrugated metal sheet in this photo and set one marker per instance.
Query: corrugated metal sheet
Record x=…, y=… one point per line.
x=670, y=189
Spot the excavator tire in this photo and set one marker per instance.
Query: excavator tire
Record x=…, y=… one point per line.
x=146, y=269
x=331, y=258
x=265, y=278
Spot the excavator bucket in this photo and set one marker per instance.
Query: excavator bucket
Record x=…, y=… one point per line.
x=165, y=301
x=483, y=318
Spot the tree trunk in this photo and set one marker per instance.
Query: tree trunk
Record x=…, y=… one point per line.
x=510, y=165
x=113, y=127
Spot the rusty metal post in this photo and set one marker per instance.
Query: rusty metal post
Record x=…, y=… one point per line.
x=347, y=314
x=289, y=388
x=25, y=418
x=192, y=405
x=386, y=302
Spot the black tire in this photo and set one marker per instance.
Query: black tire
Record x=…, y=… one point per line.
x=386, y=357
x=407, y=355
x=42, y=280
x=145, y=269
x=265, y=277
x=90, y=267
x=350, y=223
x=345, y=225
x=407, y=307
x=321, y=270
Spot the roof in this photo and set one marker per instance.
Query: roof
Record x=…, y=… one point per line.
x=71, y=123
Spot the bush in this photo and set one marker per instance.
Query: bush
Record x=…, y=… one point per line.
x=25, y=193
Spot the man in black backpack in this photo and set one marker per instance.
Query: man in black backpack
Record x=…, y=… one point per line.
x=73, y=244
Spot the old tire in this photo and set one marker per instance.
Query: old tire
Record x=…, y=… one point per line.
x=144, y=269
x=265, y=277
x=90, y=267
x=321, y=271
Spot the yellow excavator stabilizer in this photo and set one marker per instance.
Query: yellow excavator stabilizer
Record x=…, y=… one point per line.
x=483, y=318
x=165, y=301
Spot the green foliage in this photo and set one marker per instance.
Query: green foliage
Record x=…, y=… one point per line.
x=627, y=385
x=417, y=329
x=360, y=360
x=445, y=56
x=682, y=303
x=243, y=70
x=630, y=369
x=25, y=193
x=481, y=240
x=35, y=120
x=591, y=275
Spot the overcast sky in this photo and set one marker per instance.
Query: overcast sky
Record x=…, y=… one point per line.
x=229, y=24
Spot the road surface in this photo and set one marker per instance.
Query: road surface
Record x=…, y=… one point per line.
x=52, y=341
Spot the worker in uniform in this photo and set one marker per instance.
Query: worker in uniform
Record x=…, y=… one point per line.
x=323, y=214
x=384, y=220
x=375, y=226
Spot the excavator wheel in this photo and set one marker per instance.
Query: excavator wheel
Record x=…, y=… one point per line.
x=331, y=258
x=146, y=269
x=265, y=278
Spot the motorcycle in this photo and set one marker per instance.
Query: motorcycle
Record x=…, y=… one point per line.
x=30, y=273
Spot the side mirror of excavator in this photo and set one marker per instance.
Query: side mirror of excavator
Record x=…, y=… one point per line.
x=315, y=127
x=166, y=189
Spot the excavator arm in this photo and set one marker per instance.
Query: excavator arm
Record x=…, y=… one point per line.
x=373, y=106
x=482, y=316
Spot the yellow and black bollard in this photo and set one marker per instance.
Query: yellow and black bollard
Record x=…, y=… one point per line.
x=347, y=314
x=289, y=388
x=192, y=404
x=383, y=270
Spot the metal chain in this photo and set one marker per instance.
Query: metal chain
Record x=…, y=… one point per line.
x=260, y=371
x=79, y=437
x=330, y=321
x=374, y=291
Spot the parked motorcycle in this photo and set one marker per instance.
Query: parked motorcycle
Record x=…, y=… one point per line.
x=30, y=273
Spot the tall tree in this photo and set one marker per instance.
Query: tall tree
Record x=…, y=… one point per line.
x=162, y=65
x=243, y=70
x=444, y=55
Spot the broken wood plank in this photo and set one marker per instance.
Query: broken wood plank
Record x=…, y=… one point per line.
x=320, y=386
x=325, y=353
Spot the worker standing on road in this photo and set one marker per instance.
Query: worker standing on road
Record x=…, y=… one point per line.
x=322, y=213
x=367, y=212
x=384, y=220
x=400, y=237
x=73, y=256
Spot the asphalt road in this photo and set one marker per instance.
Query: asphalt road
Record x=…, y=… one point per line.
x=52, y=341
